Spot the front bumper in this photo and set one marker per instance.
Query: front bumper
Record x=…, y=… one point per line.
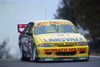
x=62, y=53
x=64, y=59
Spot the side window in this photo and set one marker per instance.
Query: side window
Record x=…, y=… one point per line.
x=32, y=28
x=28, y=27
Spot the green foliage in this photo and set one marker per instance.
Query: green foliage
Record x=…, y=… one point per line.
x=65, y=12
x=85, y=13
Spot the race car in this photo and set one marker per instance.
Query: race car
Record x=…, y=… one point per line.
x=52, y=40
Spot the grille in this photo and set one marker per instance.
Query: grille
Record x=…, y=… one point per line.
x=70, y=44
x=65, y=53
x=48, y=53
x=82, y=52
x=58, y=44
x=64, y=44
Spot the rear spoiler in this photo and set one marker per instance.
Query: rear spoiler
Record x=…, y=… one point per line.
x=20, y=26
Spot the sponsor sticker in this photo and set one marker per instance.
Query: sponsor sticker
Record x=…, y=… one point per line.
x=63, y=39
x=65, y=50
x=60, y=35
x=49, y=23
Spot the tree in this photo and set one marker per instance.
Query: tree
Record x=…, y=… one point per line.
x=66, y=11
x=85, y=13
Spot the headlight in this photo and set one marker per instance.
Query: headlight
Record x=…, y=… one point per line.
x=45, y=45
x=82, y=43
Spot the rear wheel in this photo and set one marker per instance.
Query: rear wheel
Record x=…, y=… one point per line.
x=23, y=58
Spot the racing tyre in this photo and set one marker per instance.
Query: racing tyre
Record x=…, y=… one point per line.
x=87, y=59
x=23, y=58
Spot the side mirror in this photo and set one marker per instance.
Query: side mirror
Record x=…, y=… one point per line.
x=30, y=33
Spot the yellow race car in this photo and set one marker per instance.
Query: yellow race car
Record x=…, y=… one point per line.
x=52, y=40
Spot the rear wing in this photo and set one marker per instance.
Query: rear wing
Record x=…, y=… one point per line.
x=21, y=26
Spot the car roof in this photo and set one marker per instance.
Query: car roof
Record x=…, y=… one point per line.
x=48, y=21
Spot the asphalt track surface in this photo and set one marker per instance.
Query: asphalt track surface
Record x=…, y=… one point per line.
x=93, y=62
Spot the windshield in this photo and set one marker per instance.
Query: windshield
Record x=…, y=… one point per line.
x=55, y=29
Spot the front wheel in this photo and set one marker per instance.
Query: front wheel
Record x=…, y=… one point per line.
x=87, y=59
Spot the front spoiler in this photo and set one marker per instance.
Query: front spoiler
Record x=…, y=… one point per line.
x=63, y=59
